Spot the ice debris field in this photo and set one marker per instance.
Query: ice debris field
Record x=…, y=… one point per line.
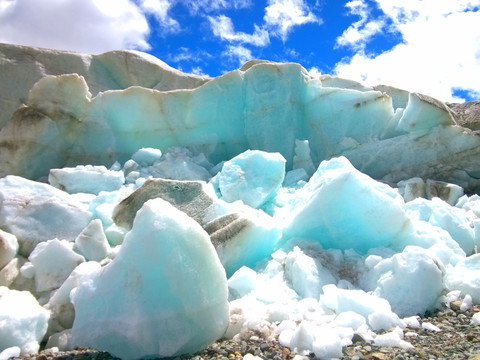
x=262, y=203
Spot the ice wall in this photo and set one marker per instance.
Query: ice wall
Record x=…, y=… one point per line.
x=386, y=133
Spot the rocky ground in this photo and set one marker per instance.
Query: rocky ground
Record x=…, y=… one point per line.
x=458, y=339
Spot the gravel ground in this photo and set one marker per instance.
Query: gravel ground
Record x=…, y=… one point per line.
x=458, y=339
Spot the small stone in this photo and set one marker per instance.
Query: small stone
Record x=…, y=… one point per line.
x=41, y=357
x=474, y=357
x=455, y=305
x=377, y=356
x=423, y=354
x=470, y=336
x=399, y=357
x=368, y=348
x=264, y=346
x=357, y=339
x=285, y=353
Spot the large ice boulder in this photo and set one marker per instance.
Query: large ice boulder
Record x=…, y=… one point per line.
x=241, y=235
x=23, y=321
x=164, y=294
x=253, y=177
x=36, y=212
x=342, y=208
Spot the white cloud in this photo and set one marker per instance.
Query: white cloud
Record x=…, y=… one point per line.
x=238, y=53
x=222, y=27
x=198, y=71
x=282, y=15
x=160, y=8
x=440, y=49
x=208, y=6
x=361, y=31
x=314, y=72
x=86, y=26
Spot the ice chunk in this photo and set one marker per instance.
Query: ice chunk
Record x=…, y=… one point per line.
x=306, y=274
x=53, y=261
x=398, y=278
x=393, y=338
x=253, y=177
x=466, y=303
x=430, y=327
x=147, y=156
x=412, y=322
x=24, y=321
x=8, y=248
x=449, y=218
x=243, y=238
x=11, y=352
x=450, y=193
x=412, y=188
x=476, y=318
x=36, y=212
x=166, y=285
x=178, y=164
x=303, y=338
x=242, y=282
x=92, y=242
x=371, y=307
x=342, y=208
x=350, y=319
x=86, y=179
x=465, y=276
x=60, y=340
x=59, y=304
x=241, y=235
x=423, y=113
x=327, y=344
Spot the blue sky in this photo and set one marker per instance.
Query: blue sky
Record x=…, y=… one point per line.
x=429, y=46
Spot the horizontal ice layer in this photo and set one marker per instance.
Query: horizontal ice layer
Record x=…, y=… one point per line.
x=264, y=106
x=23, y=321
x=36, y=212
x=172, y=287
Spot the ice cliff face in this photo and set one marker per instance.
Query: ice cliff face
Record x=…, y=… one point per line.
x=60, y=109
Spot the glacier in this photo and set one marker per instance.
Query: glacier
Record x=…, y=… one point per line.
x=148, y=213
